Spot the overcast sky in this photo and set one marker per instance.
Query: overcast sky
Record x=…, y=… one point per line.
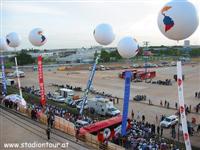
x=70, y=24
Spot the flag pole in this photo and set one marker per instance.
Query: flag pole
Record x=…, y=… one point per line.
x=18, y=78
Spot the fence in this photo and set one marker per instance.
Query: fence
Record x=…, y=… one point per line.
x=68, y=128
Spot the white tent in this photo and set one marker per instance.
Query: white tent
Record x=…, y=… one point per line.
x=16, y=99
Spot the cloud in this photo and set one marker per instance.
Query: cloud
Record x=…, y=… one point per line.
x=32, y=7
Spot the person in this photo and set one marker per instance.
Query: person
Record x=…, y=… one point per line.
x=48, y=120
x=156, y=118
x=176, y=105
x=173, y=132
x=168, y=105
x=132, y=114
x=143, y=118
x=77, y=133
x=165, y=103
x=196, y=94
x=138, y=115
x=161, y=104
x=161, y=131
x=48, y=131
x=52, y=120
x=158, y=130
x=198, y=128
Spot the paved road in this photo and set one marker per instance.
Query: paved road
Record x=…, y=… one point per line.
x=17, y=130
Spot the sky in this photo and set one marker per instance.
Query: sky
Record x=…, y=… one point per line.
x=70, y=23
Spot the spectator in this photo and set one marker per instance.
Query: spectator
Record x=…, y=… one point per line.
x=176, y=105
x=48, y=132
x=156, y=118
x=161, y=131
x=132, y=114
x=158, y=130
x=161, y=104
x=138, y=115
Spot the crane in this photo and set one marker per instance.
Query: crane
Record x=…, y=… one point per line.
x=89, y=83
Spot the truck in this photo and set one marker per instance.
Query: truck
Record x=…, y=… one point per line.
x=102, y=106
x=14, y=74
x=66, y=93
x=139, y=74
x=57, y=97
x=9, y=82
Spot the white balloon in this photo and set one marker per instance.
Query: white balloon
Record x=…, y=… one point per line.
x=103, y=34
x=13, y=39
x=178, y=19
x=36, y=37
x=128, y=47
x=3, y=44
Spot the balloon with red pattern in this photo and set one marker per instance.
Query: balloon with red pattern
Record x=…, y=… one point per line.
x=37, y=37
x=178, y=19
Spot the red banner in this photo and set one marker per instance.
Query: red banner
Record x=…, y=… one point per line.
x=41, y=81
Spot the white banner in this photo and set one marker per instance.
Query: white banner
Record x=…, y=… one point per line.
x=182, y=107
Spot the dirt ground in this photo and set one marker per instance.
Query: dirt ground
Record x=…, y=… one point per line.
x=109, y=82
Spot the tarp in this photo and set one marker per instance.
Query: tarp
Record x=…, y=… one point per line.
x=95, y=127
x=16, y=99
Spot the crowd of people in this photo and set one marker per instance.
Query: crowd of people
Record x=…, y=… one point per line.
x=161, y=82
x=75, y=88
x=11, y=104
x=145, y=136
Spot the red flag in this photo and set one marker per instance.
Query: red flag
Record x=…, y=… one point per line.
x=179, y=82
x=41, y=81
x=186, y=136
x=182, y=109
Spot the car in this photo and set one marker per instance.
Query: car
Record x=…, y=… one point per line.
x=160, y=65
x=79, y=105
x=14, y=74
x=169, y=121
x=59, y=99
x=81, y=123
x=173, y=63
x=125, y=67
x=135, y=66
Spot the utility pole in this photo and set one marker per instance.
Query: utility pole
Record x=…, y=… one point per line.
x=146, y=48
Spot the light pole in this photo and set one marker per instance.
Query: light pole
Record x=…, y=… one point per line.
x=146, y=44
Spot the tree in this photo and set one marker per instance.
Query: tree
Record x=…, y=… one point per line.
x=105, y=56
x=195, y=52
x=23, y=58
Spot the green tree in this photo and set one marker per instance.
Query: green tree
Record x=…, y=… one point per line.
x=115, y=55
x=105, y=56
x=195, y=52
x=23, y=58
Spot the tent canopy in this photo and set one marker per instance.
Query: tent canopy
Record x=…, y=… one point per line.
x=16, y=99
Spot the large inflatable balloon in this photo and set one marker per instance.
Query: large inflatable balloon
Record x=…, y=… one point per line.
x=36, y=37
x=128, y=47
x=103, y=34
x=3, y=44
x=178, y=19
x=13, y=39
